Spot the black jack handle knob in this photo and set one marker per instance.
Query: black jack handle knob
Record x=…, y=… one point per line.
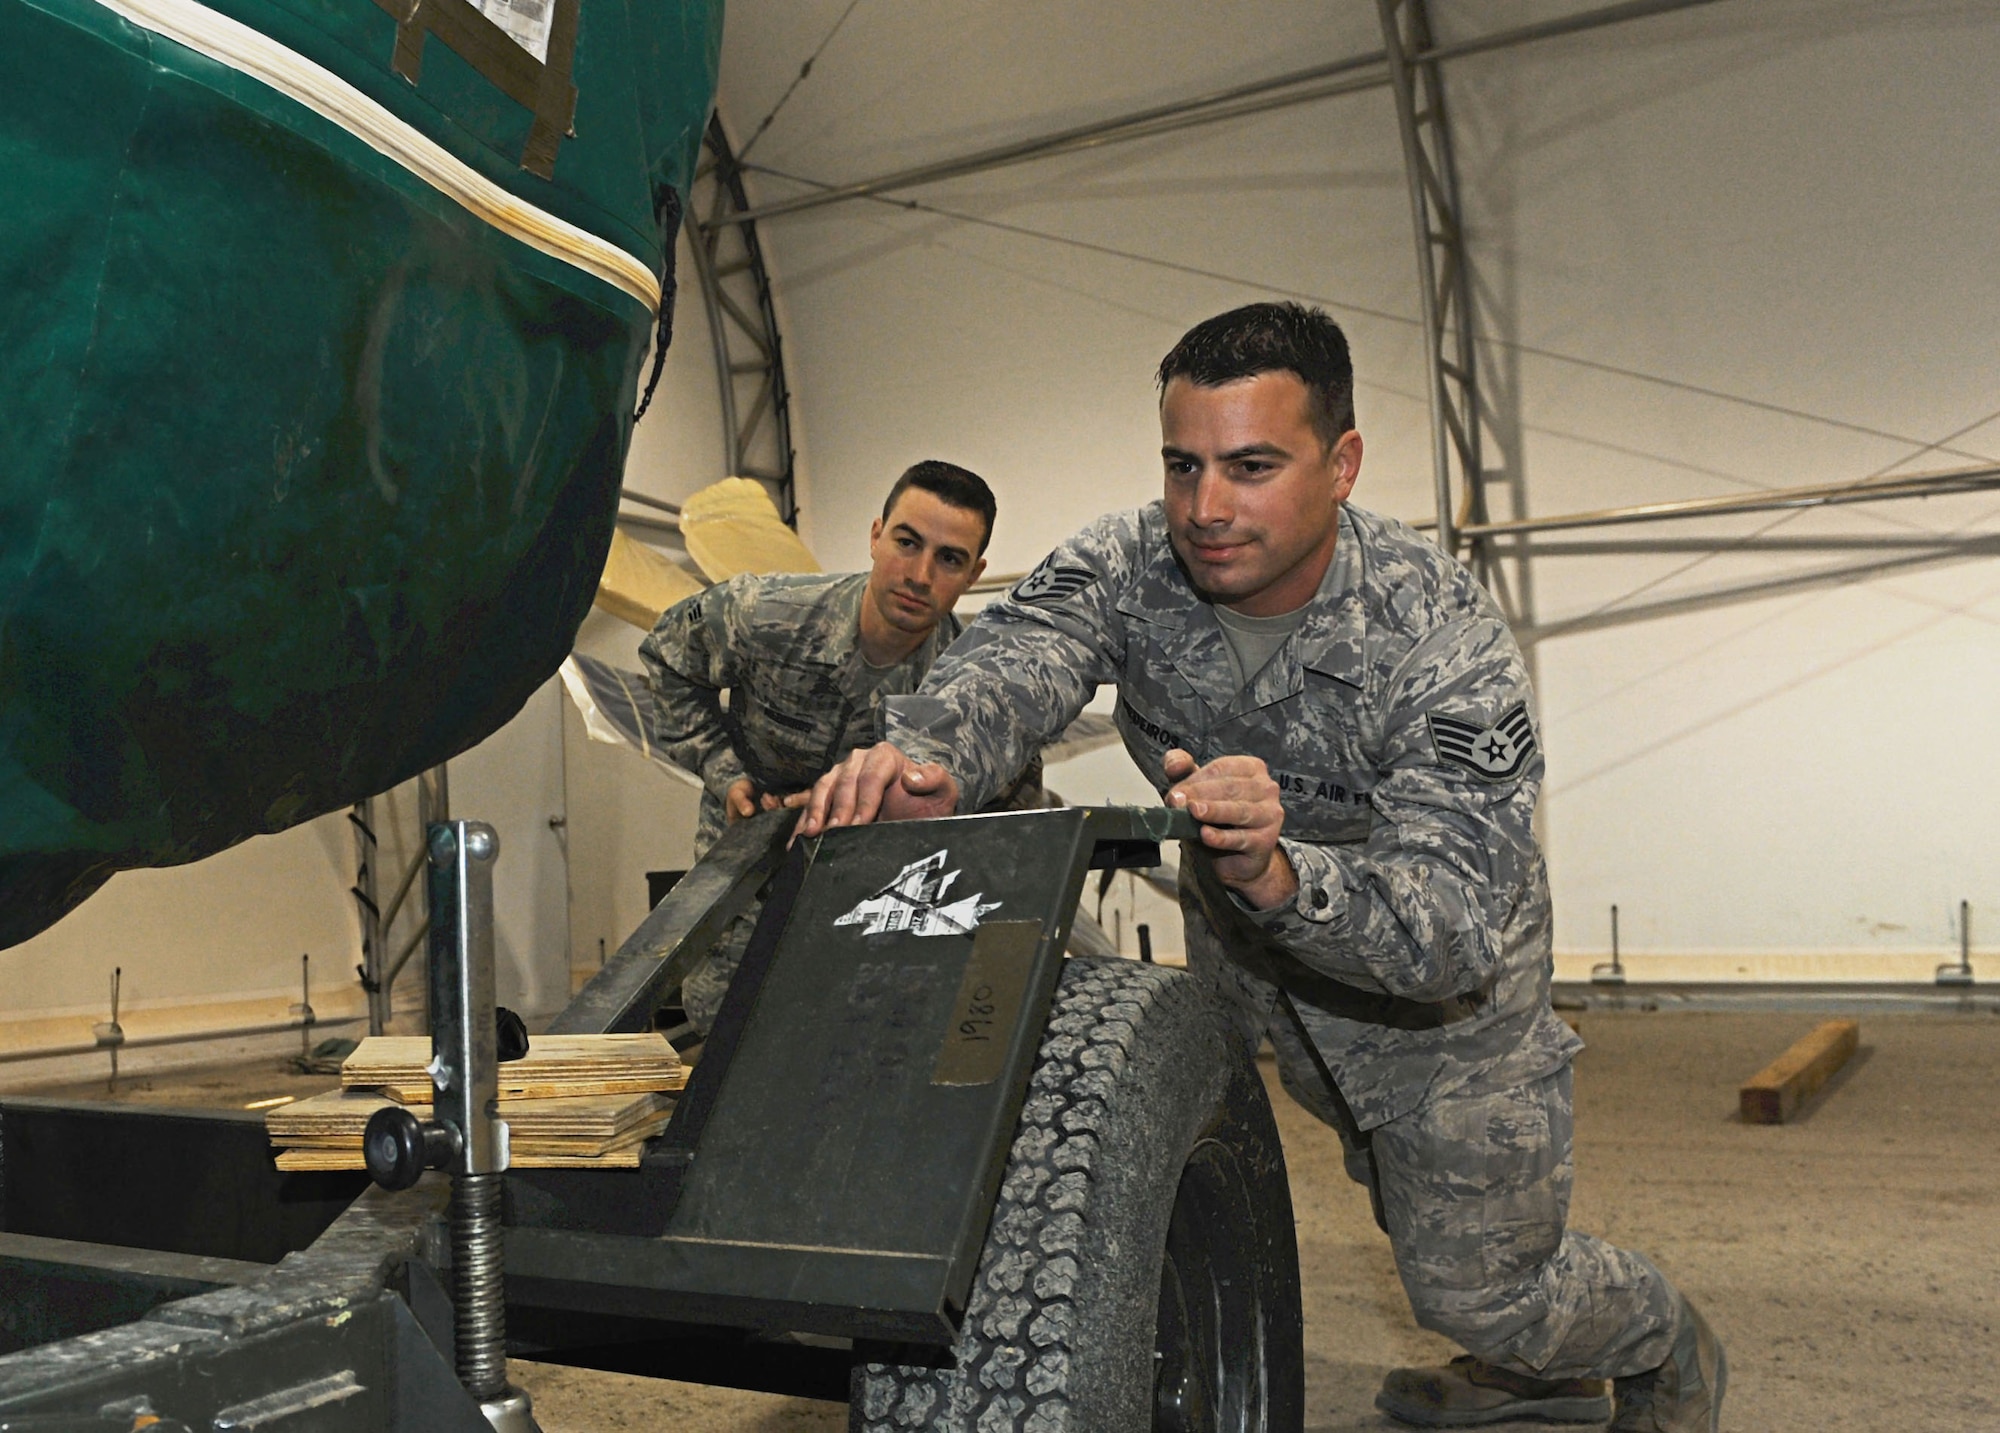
x=398, y=1147
x=510, y=1035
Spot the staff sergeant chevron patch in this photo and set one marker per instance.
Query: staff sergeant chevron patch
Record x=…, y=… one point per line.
x=1049, y=583
x=1491, y=753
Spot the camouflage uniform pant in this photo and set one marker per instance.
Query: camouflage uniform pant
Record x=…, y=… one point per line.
x=708, y=982
x=1473, y=1189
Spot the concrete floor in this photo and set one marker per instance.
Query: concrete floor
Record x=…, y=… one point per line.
x=1849, y=1259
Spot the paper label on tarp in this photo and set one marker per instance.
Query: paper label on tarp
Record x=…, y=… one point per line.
x=526, y=22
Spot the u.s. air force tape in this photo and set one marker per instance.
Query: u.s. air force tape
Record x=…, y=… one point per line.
x=1051, y=583
x=1491, y=753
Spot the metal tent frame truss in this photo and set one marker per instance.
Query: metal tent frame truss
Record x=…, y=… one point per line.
x=1461, y=387
x=379, y=966
x=743, y=324
x=1444, y=280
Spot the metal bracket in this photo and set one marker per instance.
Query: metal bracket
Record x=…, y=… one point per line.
x=683, y=928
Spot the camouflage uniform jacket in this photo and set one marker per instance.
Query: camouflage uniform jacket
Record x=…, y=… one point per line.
x=788, y=650
x=1396, y=722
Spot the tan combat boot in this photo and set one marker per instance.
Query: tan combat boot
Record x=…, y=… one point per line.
x=1682, y=1395
x=1469, y=1391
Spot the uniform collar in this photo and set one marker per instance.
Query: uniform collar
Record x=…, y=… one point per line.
x=1331, y=638
x=842, y=652
x=842, y=641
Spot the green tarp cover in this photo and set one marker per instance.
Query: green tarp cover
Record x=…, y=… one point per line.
x=306, y=471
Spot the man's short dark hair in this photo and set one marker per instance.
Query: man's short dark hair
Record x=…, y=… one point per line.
x=1272, y=338
x=951, y=484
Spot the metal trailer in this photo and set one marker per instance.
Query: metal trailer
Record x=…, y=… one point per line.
x=924, y=1164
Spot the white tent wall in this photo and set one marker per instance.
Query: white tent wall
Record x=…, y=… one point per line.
x=1791, y=204
x=211, y=945
x=1775, y=217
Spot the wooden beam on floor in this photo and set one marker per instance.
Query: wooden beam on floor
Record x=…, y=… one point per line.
x=1774, y=1094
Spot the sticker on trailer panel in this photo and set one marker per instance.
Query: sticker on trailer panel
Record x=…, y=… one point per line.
x=914, y=903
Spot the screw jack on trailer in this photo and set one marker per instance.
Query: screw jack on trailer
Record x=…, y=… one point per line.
x=465, y=1135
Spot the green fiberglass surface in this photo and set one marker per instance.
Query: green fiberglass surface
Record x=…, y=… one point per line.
x=307, y=471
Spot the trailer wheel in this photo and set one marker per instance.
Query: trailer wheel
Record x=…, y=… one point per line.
x=1140, y=1271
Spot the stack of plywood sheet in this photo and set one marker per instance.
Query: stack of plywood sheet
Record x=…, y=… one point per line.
x=575, y=1101
x=399, y=1066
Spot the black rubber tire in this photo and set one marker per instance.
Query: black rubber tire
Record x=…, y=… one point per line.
x=1147, y=1160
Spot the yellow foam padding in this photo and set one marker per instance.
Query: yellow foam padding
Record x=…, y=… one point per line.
x=639, y=582
x=733, y=526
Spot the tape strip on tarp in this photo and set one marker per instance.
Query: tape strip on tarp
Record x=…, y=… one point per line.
x=541, y=86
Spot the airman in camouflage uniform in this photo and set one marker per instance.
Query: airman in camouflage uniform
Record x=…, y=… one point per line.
x=801, y=657
x=787, y=649
x=1403, y=975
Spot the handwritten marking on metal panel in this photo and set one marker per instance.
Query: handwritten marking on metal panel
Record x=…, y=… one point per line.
x=988, y=1007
